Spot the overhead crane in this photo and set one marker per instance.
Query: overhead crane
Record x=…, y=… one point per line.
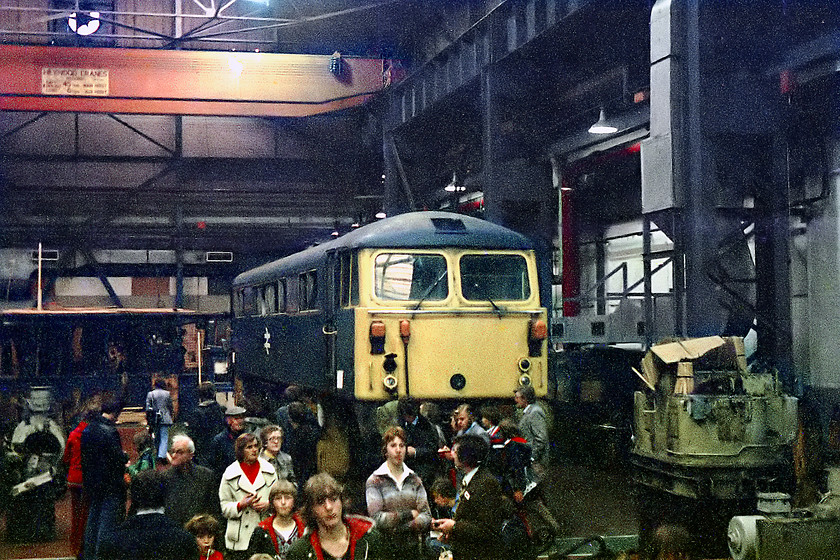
x=173, y=82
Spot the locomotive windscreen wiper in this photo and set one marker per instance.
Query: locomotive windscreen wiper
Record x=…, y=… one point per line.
x=429, y=290
x=484, y=294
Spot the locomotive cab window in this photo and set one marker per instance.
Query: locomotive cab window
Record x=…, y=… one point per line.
x=494, y=277
x=405, y=277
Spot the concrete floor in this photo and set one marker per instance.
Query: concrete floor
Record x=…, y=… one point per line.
x=590, y=499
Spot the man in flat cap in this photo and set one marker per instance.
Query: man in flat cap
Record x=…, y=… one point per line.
x=221, y=454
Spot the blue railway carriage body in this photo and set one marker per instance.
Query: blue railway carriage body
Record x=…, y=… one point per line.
x=431, y=304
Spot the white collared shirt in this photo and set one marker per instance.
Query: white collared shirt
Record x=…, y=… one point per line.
x=468, y=477
x=384, y=470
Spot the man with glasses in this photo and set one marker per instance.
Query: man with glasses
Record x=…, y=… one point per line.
x=189, y=489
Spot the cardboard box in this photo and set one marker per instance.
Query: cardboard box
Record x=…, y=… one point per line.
x=680, y=359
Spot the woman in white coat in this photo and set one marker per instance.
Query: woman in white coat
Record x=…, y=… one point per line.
x=243, y=494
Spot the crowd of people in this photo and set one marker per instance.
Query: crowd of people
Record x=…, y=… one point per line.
x=219, y=491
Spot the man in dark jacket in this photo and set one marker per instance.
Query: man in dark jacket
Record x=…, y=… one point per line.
x=221, y=454
x=189, y=489
x=103, y=470
x=207, y=420
x=303, y=439
x=149, y=534
x=475, y=532
x=421, y=441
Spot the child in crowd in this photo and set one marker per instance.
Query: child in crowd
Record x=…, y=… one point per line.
x=205, y=528
x=275, y=535
x=145, y=453
x=444, y=497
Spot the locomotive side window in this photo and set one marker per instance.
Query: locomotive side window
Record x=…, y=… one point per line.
x=494, y=277
x=344, y=289
x=308, y=290
x=269, y=299
x=354, y=278
x=249, y=301
x=281, y=296
x=349, y=294
x=238, y=300
x=292, y=295
x=403, y=277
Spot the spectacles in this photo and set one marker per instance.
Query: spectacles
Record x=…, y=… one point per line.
x=181, y=452
x=275, y=438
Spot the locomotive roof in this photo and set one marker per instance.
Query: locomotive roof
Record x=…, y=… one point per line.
x=414, y=230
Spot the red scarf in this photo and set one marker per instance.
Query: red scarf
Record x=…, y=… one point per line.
x=251, y=470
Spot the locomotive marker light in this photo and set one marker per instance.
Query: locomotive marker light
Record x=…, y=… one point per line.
x=524, y=365
x=377, y=338
x=537, y=332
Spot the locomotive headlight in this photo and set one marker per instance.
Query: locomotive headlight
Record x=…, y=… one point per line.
x=525, y=380
x=524, y=365
x=390, y=382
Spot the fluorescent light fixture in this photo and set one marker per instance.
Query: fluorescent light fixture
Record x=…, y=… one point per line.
x=380, y=215
x=601, y=126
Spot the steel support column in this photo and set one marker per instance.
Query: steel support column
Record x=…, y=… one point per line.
x=179, y=256
x=699, y=231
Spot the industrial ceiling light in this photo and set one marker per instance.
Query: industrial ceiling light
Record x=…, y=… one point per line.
x=381, y=215
x=601, y=126
x=83, y=24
